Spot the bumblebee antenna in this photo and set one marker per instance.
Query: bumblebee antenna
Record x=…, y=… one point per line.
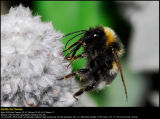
x=75, y=32
x=71, y=46
x=73, y=38
x=74, y=49
x=120, y=68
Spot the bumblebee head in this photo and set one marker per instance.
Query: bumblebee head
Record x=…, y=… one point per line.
x=94, y=36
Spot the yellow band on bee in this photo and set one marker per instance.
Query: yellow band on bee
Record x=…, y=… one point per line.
x=110, y=35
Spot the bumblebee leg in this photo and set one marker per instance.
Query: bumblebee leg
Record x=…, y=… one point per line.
x=80, y=71
x=75, y=58
x=78, y=93
x=68, y=76
x=85, y=88
x=76, y=43
x=73, y=50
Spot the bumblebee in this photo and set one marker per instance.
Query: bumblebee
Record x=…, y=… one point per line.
x=102, y=48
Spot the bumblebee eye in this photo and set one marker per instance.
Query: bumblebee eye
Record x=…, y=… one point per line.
x=95, y=35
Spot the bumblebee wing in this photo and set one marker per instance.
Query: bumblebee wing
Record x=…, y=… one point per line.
x=121, y=72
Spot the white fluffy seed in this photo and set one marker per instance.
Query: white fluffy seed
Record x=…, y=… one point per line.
x=31, y=61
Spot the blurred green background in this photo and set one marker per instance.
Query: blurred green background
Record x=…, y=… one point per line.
x=69, y=16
